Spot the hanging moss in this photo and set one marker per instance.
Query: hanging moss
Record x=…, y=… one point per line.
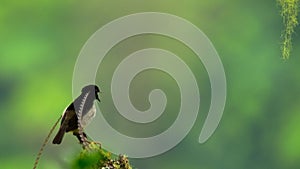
x=94, y=157
x=289, y=12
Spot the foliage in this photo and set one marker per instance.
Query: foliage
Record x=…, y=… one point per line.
x=289, y=13
x=94, y=157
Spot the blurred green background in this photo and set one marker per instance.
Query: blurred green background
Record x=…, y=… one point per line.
x=40, y=41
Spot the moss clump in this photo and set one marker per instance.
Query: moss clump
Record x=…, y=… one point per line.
x=94, y=157
x=289, y=12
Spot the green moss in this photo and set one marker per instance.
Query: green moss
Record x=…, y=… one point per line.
x=289, y=13
x=94, y=157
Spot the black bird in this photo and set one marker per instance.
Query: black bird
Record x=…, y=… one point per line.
x=69, y=120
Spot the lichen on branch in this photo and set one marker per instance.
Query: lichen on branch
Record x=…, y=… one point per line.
x=289, y=12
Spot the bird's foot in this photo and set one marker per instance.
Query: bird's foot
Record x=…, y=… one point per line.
x=89, y=144
x=97, y=143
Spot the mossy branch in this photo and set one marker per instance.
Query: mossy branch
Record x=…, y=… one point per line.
x=289, y=12
x=95, y=157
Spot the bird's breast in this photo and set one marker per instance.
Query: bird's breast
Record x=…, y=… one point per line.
x=86, y=119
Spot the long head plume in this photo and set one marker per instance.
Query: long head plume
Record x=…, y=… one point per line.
x=79, y=116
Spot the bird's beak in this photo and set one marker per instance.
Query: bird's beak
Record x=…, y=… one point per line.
x=97, y=97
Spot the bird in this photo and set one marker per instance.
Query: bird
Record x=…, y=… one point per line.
x=84, y=103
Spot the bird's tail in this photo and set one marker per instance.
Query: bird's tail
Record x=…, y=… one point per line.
x=59, y=136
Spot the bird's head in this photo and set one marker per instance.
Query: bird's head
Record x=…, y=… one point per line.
x=93, y=89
